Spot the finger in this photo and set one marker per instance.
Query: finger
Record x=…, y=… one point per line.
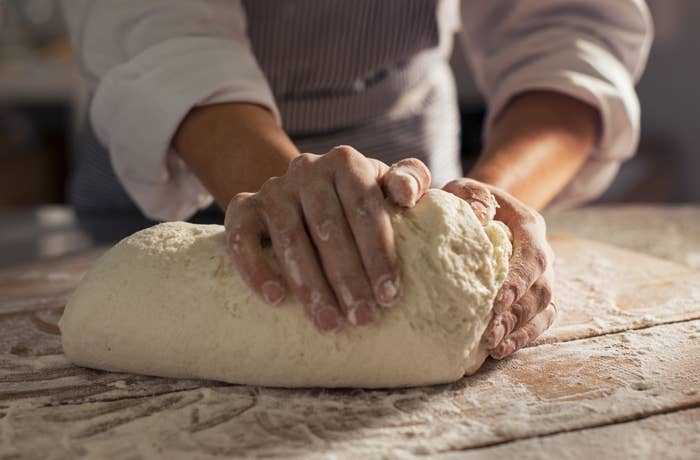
x=520, y=313
x=480, y=199
x=244, y=230
x=526, y=334
x=530, y=258
x=362, y=201
x=338, y=252
x=406, y=181
x=297, y=258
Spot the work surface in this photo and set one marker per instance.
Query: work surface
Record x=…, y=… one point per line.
x=617, y=376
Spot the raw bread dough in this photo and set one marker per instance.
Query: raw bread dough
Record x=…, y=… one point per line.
x=166, y=301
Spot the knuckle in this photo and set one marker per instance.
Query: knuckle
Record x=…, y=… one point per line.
x=538, y=219
x=545, y=294
x=414, y=164
x=520, y=309
x=457, y=186
x=239, y=206
x=240, y=202
x=343, y=154
x=452, y=185
x=531, y=220
x=477, y=190
x=523, y=313
x=270, y=188
x=300, y=162
x=472, y=185
x=539, y=259
x=510, y=319
x=472, y=191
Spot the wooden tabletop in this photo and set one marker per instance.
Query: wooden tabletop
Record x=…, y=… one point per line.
x=618, y=376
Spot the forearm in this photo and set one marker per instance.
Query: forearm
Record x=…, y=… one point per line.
x=233, y=148
x=537, y=145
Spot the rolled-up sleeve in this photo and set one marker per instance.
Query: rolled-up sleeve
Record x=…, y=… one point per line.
x=149, y=63
x=593, y=50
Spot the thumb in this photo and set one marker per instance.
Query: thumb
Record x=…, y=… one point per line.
x=477, y=194
x=406, y=181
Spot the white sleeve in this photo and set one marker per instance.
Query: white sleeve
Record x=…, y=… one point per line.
x=593, y=50
x=150, y=62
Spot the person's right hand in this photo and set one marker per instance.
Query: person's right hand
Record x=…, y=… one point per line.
x=329, y=230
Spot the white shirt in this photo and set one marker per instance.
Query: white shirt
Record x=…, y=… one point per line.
x=150, y=61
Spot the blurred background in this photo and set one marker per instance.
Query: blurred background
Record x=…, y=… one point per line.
x=42, y=101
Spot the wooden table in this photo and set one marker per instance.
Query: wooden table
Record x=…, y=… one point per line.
x=617, y=377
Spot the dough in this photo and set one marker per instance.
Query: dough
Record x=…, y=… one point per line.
x=166, y=301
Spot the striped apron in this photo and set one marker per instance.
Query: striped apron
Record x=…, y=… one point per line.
x=367, y=73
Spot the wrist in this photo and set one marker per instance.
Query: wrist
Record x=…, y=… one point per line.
x=536, y=145
x=491, y=170
x=233, y=148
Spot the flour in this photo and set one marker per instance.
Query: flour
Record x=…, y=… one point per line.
x=636, y=228
x=544, y=391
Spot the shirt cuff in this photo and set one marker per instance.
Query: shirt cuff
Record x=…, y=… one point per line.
x=593, y=75
x=138, y=106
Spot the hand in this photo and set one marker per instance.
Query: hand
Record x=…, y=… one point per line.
x=330, y=232
x=522, y=307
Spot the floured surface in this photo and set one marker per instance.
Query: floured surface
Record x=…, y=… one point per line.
x=668, y=232
x=606, y=389
x=601, y=289
x=664, y=436
x=543, y=390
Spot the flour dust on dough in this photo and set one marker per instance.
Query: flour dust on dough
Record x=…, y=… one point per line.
x=167, y=301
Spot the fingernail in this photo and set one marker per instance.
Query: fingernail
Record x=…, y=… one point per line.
x=273, y=292
x=506, y=300
x=504, y=349
x=360, y=314
x=404, y=188
x=327, y=319
x=497, y=334
x=412, y=190
x=387, y=290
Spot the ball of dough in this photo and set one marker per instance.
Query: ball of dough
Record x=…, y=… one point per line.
x=167, y=301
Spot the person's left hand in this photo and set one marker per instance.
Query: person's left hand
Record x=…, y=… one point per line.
x=522, y=308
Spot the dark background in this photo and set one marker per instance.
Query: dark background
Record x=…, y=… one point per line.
x=42, y=102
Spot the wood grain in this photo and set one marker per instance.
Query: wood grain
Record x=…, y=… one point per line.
x=665, y=436
x=542, y=391
x=624, y=348
x=602, y=289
